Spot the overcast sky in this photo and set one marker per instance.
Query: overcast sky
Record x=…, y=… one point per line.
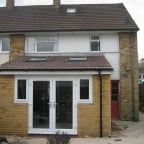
x=135, y=7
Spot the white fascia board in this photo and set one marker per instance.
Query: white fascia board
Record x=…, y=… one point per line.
x=55, y=73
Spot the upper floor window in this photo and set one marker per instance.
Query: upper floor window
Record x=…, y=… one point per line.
x=4, y=44
x=41, y=44
x=95, y=43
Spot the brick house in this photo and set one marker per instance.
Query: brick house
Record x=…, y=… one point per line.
x=67, y=68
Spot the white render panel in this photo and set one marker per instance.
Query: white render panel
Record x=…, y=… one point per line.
x=4, y=57
x=74, y=43
x=80, y=42
x=109, y=42
x=114, y=60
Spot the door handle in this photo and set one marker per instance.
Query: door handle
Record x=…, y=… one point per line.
x=52, y=104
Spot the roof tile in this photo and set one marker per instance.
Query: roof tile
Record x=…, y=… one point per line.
x=46, y=18
x=56, y=63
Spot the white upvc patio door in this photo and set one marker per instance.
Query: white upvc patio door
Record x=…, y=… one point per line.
x=52, y=106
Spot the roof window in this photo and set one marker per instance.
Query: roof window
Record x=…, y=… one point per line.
x=80, y=58
x=37, y=59
x=71, y=10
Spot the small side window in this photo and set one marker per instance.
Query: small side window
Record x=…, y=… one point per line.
x=95, y=43
x=84, y=89
x=21, y=90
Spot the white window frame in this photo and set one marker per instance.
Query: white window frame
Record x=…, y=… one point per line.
x=95, y=41
x=16, y=100
x=90, y=90
x=1, y=51
x=36, y=42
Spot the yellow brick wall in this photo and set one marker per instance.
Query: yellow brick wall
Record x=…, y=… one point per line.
x=13, y=117
x=88, y=114
x=17, y=44
x=126, y=88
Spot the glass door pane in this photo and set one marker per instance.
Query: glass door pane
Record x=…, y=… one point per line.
x=64, y=104
x=41, y=97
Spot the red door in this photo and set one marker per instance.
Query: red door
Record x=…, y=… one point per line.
x=114, y=99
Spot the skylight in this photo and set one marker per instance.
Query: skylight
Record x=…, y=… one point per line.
x=71, y=10
x=81, y=58
x=37, y=59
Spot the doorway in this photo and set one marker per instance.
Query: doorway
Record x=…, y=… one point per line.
x=52, y=107
x=115, y=99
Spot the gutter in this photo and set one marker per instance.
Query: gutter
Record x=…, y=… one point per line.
x=101, y=119
x=69, y=30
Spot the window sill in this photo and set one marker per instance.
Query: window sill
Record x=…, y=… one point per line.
x=85, y=101
x=6, y=52
x=21, y=101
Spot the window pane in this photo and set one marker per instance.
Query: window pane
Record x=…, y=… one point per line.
x=84, y=89
x=45, y=46
x=95, y=46
x=64, y=104
x=31, y=44
x=21, y=89
x=94, y=37
x=5, y=44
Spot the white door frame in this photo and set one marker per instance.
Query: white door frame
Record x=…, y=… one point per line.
x=52, y=129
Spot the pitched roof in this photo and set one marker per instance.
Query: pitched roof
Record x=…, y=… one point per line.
x=57, y=63
x=88, y=17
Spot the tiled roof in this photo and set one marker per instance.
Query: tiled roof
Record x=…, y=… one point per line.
x=88, y=17
x=57, y=63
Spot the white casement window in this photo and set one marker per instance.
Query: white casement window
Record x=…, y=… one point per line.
x=41, y=44
x=21, y=90
x=4, y=44
x=95, y=43
x=85, y=90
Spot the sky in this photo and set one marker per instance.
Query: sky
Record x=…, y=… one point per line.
x=135, y=8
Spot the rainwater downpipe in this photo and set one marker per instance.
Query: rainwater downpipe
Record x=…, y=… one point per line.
x=132, y=76
x=101, y=124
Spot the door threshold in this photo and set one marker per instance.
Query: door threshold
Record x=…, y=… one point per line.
x=69, y=132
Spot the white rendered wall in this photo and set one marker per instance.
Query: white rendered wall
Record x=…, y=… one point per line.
x=109, y=42
x=81, y=42
x=4, y=57
x=113, y=59
x=74, y=43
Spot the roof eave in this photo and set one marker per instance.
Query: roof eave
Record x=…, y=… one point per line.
x=70, y=30
x=64, y=69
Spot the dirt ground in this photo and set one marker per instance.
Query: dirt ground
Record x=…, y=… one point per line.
x=124, y=132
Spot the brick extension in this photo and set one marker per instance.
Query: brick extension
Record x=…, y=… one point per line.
x=126, y=104
x=14, y=118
